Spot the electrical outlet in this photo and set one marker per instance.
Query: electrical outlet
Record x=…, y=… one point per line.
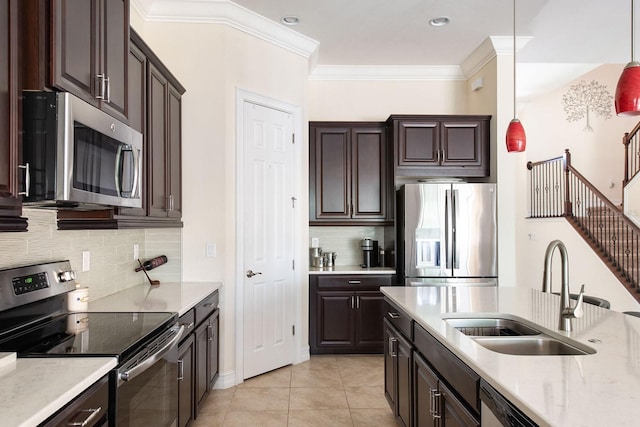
x=315, y=242
x=136, y=251
x=211, y=250
x=86, y=260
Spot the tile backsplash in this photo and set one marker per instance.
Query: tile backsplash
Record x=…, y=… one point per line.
x=111, y=252
x=346, y=241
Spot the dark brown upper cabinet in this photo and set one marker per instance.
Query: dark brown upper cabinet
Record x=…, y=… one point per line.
x=349, y=182
x=78, y=46
x=440, y=146
x=10, y=200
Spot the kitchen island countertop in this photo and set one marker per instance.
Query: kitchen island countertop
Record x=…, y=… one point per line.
x=33, y=389
x=601, y=389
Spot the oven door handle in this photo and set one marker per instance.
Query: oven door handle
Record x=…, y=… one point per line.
x=132, y=373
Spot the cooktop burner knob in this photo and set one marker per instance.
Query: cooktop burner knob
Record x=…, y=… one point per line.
x=67, y=276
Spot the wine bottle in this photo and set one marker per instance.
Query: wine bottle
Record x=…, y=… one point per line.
x=153, y=263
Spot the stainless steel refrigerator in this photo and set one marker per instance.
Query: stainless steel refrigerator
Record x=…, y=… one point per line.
x=447, y=234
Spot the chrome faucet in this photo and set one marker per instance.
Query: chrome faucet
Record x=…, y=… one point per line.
x=566, y=311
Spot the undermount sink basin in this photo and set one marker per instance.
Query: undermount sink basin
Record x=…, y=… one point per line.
x=517, y=337
x=532, y=346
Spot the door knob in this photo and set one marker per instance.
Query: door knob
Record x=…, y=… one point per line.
x=250, y=273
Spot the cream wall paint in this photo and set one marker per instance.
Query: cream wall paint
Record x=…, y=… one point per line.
x=599, y=156
x=331, y=100
x=212, y=61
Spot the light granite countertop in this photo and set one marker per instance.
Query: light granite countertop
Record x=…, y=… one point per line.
x=177, y=297
x=351, y=269
x=33, y=389
x=601, y=389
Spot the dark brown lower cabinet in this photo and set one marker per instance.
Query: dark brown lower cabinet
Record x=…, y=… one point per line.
x=345, y=313
x=206, y=360
x=185, y=378
x=398, y=356
x=90, y=409
x=198, y=356
x=426, y=384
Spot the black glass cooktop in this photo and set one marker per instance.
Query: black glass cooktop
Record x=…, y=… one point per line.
x=88, y=334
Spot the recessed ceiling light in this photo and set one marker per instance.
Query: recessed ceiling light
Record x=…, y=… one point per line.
x=290, y=20
x=439, y=22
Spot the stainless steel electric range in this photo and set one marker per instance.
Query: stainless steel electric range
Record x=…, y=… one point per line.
x=34, y=322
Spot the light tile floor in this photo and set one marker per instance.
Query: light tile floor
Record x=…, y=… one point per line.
x=323, y=391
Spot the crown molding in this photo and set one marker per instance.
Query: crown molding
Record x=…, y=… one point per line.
x=490, y=48
x=386, y=72
x=227, y=13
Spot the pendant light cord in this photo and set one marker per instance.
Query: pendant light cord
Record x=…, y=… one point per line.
x=632, y=31
x=514, y=58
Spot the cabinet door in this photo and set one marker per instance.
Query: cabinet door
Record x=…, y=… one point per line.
x=174, y=141
x=404, y=373
x=335, y=321
x=157, y=92
x=115, y=50
x=75, y=47
x=462, y=143
x=201, y=362
x=213, y=356
x=369, y=315
x=417, y=143
x=453, y=411
x=390, y=384
x=331, y=181
x=369, y=173
x=137, y=101
x=425, y=385
x=10, y=203
x=185, y=382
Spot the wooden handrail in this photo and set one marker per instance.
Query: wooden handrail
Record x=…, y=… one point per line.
x=531, y=165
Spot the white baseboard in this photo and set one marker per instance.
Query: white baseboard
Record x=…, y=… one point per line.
x=226, y=380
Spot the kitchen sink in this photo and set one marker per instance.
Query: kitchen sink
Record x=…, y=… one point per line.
x=517, y=337
x=492, y=327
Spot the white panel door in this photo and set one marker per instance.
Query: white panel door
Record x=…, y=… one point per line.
x=268, y=230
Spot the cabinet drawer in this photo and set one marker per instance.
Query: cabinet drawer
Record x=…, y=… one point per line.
x=188, y=320
x=351, y=281
x=454, y=371
x=205, y=307
x=398, y=318
x=88, y=409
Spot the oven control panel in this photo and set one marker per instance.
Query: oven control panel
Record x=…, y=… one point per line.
x=29, y=283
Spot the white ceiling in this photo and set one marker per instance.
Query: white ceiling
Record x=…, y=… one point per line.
x=567, y=37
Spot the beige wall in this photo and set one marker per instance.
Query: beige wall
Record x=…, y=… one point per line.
x=599, y=156
x=212, y=61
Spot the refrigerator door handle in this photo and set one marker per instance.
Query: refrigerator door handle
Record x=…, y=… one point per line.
x=448, y=226
x=455, y=215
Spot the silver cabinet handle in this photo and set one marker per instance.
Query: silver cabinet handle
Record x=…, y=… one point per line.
x=353, y=302
x=210, y=333
x=27, y=179
x=93, y=412
x=357, y=302
x=100, y=86
x=250, y=273
x=437, y=401
x=392, y=344
x=393, y=315
x=180, y=370
x=354, y=282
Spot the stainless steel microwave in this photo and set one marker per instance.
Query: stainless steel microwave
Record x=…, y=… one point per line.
x=77, y=156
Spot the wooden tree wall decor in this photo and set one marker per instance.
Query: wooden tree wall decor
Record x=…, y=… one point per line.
x=583, y=98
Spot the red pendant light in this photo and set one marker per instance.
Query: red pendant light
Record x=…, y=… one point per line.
x=516, y=138
x=628, y=90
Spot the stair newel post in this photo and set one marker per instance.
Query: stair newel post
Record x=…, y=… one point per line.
x=566, y=163
x=625, y=142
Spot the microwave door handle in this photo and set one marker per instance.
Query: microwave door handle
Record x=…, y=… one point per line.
x=117, y=170
x=136, y=173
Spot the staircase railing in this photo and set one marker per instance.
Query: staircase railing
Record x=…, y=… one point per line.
x=631, y=142
x=558, y=189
